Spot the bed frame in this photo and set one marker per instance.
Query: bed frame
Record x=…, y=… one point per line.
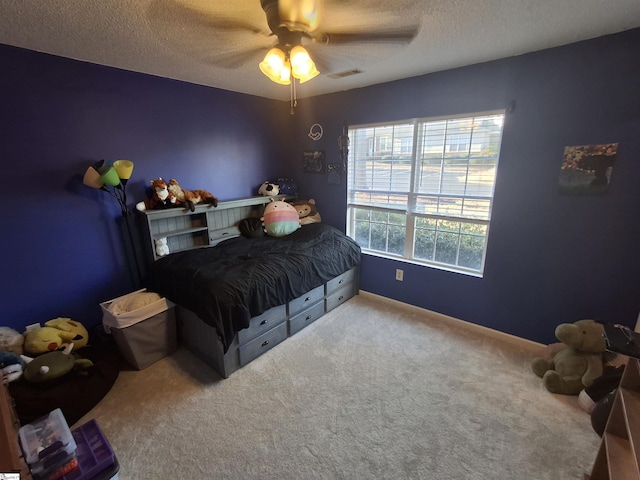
x=207, y=226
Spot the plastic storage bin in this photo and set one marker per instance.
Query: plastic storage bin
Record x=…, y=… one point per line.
x=47, y=443
x=96, y=459
x=144, y=335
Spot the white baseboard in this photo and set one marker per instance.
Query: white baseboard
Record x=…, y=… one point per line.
x=522, y=342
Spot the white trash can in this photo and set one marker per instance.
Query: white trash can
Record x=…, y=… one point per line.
x=144, y=335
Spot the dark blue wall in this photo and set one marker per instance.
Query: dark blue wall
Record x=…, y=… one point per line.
x=551, y=258
x=63, y=244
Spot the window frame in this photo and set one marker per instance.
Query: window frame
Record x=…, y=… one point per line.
x=410, y=213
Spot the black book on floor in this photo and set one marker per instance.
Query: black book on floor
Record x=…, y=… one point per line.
x=621, y=339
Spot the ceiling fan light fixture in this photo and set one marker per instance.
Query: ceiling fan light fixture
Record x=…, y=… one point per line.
x=302, y=67
x=275, y=66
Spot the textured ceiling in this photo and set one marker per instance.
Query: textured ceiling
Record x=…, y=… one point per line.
x=164, y=38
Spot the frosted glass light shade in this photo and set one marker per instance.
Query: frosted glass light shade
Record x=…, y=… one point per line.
x=275, y=67
x=302, y=67
x=124, y=168
x=110, y=177
x=92, y=178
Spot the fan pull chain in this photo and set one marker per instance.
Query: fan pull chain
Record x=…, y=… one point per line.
x=294, y=100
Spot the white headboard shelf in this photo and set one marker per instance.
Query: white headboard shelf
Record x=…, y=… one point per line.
x=206, y=226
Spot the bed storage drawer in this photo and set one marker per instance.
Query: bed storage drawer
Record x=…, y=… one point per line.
x=339, y=297
x=263, y=323
x=306, y=300
x=302, y=319
x=341, y=281
x=262, y=344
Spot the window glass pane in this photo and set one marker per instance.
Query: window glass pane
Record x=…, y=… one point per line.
x=396, y=239
x=446, y=247
x=362, y=214
x=471, y=251
x=379, y=237
x=447, y=226
x=398, y=219
x=475, y=208
x=362, y=230
x=425, y=238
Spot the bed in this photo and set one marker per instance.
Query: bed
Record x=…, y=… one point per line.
x=239, y=297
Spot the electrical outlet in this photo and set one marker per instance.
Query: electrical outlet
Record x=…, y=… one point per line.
x=399, y=275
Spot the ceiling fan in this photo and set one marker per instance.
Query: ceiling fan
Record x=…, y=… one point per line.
x=191, y=24
x=295, y=31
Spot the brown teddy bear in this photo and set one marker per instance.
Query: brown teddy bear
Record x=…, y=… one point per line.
x=577, y=361
x=307, y=211
x=190, y=198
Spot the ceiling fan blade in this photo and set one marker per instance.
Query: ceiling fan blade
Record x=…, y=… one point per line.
x=172, y=11
x=401, y=35
x=238, y=59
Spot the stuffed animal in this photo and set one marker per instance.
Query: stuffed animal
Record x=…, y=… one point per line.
x=190, y=198
x=280, y=218
x=162, y=248
x=307, y=211
x=577, y=362
x=52, y=365
x=56, y=334
x=162, y=197
x=268, y=189
x=11, y=366
x=11, y=340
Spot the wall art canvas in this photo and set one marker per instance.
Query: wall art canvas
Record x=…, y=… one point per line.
x=313, y=161
x=586, y=169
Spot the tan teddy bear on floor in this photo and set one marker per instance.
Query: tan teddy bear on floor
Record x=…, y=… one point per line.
x=578, y=361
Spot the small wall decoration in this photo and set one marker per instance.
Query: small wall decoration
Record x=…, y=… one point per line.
x=333, y=173
x=313, y=161
x=586, y=169
x=315, y=132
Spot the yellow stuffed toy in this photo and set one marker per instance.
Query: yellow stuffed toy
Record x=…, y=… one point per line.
x=55, y=335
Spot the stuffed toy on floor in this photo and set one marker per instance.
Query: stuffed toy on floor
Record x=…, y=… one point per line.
x=11, y=340
x=577, y=362
x=11, y=366
x=55, y=335
x=53, y=365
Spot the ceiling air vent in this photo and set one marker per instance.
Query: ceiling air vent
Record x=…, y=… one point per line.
x=346, y=73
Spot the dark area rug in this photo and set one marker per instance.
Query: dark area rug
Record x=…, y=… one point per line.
x=75, y=394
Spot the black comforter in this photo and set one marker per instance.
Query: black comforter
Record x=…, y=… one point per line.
x=240, y=278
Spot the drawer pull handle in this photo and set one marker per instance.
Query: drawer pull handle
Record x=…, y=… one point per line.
x=341, y=281
x=264, y=322
x=307, y=299
x=308, y=317
x=340, y=297
x=265, y=343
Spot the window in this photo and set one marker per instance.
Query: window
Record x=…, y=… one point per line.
x=422, y=190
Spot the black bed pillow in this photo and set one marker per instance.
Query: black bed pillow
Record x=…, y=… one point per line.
x=251, y=227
